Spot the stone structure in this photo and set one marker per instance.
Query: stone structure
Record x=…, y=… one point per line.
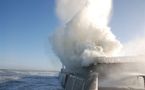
x=105, y=74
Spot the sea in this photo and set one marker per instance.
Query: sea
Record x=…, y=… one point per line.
x=29, y=80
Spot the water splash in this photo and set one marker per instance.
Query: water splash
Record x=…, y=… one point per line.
x=86, y=35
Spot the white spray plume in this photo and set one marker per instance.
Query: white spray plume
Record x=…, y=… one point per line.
x=66, y=9
x=86, y=34
x=135, y=47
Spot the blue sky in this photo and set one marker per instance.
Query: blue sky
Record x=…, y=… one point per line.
x=26, y=24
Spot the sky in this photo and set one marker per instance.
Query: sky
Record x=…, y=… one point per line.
x=25, y=26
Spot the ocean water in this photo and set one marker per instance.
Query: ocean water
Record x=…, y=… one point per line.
x=29, y=80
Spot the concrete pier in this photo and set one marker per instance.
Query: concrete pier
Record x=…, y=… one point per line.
x=105, y=76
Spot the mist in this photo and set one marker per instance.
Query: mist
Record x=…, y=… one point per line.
x=134, y=47
x=85, y=34
x=85, y=38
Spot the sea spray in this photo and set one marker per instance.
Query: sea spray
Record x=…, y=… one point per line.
x=134, y=47
x=85, y=38
x=86, y=33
